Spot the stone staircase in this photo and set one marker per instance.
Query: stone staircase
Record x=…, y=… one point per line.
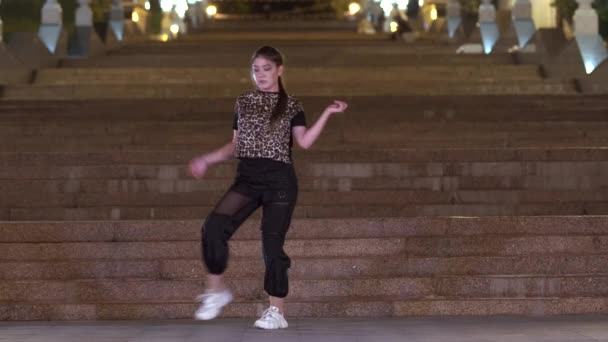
x=342, y=267
x=437, y=198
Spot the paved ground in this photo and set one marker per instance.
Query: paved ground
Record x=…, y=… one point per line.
x=451, y=329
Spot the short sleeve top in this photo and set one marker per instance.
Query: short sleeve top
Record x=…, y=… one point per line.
x=257, y=138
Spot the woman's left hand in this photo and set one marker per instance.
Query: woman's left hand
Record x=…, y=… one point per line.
x=336, y=107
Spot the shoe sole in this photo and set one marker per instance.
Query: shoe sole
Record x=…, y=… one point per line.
x=264, y=328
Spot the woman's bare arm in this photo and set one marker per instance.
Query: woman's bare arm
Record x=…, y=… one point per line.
x=200, y=165
x=306, y=137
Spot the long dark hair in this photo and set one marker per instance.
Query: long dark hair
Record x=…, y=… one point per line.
x=276, y=57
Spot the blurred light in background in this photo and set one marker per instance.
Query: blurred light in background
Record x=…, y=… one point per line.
x=211, y=10
x=181, y=7
x=394, y=26
x=166, y=5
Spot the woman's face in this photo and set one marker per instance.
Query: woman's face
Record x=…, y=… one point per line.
x=266, y=74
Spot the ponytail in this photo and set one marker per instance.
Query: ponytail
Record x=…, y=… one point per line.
x=281, y=106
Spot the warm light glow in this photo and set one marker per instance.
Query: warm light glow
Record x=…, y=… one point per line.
x=434, y=13
x=420, y=3
x=211, y=10
x=353, y=8
x=165, y=37
x=394, y=26
x=174, y=29
x=147, y=5
x=135, y=17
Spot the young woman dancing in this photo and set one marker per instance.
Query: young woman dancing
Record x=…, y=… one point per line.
x=266, y=122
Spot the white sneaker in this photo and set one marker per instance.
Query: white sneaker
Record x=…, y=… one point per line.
x=212, y=304
x=271, y=319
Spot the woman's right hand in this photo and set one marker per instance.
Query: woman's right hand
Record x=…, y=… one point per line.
x=198, y=167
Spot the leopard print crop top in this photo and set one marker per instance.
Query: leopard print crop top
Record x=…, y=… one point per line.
x=256, y=138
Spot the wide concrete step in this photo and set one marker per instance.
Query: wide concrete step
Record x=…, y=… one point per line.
x=226, y=76
x=316, y=169
x=506, y=108
x=214, y=52
x=338, y=307
x=131, y=290
x=303, y=211
x=338, y=130
x=298, y=36
x=57, y=145
x=415, y=237
x=321, y=156
x=381, y=88
x=189, y=230
x=399, y=130
x=99, y=120
x=308, y=267
x=340, y=183
x=140, y=129
x=458, y=246
x=413, y=137
x=291, y=23
x=190, y=58
x=309, y=199
x=348, y=139
x=208, y=43
x=191, y=249
x=341, y=131
x=565, y=139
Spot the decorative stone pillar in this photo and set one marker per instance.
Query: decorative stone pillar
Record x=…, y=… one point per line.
x=487, y=12
x=585, y=18
x=117, y=21
x=80, y=43
x=51, y=25
x=522, y=9
x=488, y=26
x=586, y=32
x=176, y=27
x=523, y=22
x=200, y=13
x=454, y=16
x=504, y=5
x=84, y=14
x=192, y=15
x=139, y=27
